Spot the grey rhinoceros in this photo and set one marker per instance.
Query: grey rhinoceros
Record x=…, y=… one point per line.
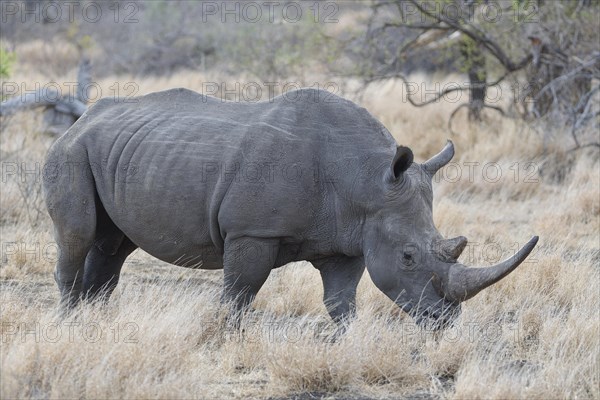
x=248, y=187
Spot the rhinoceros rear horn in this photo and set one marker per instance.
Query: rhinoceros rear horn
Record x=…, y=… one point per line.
x=451, y=249
x=402, y=160
x=462, y=283
x=442, y=158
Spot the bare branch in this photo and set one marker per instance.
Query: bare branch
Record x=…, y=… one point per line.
x=61, y=110
x=41, y=98
x=387, y=25
x=452, y=132
x=84, y=78
x=440, y=94
x=579, y=147
x=457, y=109
x=478, y=36
x=568, y=76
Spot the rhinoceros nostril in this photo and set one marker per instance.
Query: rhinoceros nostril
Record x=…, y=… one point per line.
x=430, y=314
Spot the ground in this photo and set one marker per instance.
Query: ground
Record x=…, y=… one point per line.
x=163, y=335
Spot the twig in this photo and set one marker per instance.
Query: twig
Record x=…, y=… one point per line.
x=452, y=132
x=483, y=106
x=478, y=36
x=584, y=146
x=568, y=76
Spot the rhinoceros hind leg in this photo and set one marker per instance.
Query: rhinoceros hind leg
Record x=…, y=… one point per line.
x=103, y=267
x=340, y=277
x=71, y=204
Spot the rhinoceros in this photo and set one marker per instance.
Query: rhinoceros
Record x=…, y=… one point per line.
x=248, y=187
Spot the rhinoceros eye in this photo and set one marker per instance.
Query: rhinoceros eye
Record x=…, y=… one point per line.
x=408, y=259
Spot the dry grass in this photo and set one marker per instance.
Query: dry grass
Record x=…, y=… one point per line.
x=534, y=335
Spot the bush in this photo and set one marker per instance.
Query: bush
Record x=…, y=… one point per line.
x=7, y=59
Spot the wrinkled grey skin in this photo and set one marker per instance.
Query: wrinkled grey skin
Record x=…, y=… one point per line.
x=202, y=183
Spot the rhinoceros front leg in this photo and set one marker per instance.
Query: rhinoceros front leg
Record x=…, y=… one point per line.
x=340, y=278
x=247, y=263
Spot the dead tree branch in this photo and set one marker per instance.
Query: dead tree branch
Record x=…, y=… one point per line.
x=477, y=35
x=61, y=111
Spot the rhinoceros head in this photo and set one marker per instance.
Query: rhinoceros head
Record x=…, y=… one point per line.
x=406, y=256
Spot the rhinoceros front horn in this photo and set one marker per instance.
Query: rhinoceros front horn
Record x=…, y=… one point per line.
x=462, y=283
x=442, y=158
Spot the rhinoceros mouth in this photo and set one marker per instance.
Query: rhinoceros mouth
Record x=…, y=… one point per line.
x=435, y=319
x=441, y=315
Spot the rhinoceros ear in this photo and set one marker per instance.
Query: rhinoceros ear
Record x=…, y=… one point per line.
x=402, y=160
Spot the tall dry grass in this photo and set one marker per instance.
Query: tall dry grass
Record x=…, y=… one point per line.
x=162, y=334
